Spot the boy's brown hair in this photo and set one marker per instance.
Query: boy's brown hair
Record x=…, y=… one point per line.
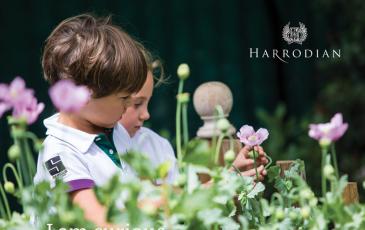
x=93, y=52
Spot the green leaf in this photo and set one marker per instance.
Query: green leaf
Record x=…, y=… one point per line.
x=210, y=216
x=228, y=224
x=141, y=164
x=273, y=173
x=190, y=204
x=280, y=185
x=259, y=187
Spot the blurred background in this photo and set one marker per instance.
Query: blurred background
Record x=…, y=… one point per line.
x=214, y=37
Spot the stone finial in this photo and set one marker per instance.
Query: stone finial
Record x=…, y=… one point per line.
x=206, y=97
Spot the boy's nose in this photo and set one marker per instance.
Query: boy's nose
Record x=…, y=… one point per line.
x=145, y=116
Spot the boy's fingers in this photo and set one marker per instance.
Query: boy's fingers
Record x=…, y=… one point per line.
x=252, y=172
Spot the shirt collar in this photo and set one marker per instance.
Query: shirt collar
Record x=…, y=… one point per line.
x=77, y=138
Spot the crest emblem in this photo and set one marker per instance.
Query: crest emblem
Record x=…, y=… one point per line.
x=55, y=167
x=295, y=34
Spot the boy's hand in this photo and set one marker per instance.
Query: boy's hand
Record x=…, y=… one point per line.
x=246, y=165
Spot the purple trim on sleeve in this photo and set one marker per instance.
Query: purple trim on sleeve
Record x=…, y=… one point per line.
x=80, y=184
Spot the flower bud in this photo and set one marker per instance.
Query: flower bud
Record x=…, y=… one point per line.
x=306, y=194
x=229, y=156
x=313, y=202
x=9, y=187
x=293, y=215
x=305, y=212
x=67, y=217
x=252, y=154
x=17, y=132
x=163, y=169
x=14, y=153
x=324, y=143
x=181, y=180
x=279, y=214
x=25, y=217
x=183, y=71
x=38, y=145
x=183, y=98
x=223, y=124
x=328, y=171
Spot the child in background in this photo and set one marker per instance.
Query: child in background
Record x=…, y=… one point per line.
x=79, y=148
x=156, y=148
x=142, y=139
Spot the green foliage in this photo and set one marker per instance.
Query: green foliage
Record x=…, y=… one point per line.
x=46, y=205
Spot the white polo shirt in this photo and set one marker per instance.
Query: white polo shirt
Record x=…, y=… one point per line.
x=80, y=159
x=153, y=146
x=83, y=160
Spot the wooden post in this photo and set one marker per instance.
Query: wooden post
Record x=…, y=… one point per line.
x=285, y=165
x=350, y=194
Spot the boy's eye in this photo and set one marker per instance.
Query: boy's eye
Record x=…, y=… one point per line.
x=127, y=100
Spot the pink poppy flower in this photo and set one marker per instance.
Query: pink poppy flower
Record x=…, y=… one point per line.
x=28, y=110
x=17, y=92
x=67, y=97
x=331, y=131
x=4, y=105
x=3, y=108
x=248, y=136
x=17, y=97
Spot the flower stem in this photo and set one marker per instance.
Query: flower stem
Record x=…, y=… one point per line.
x=2, y=209
x=5, y=199
x=19, y=170
x=33, y=138
x=334, y=158
x=218, y=148
x=270, y=161
x=165, y=195
x=278, y=197
x=254, y=163
x=11, y=166
x=29, y=159
x=24, y=169
x=185, y=124
x=178, y=124
x=324, y=154
x=213, y=148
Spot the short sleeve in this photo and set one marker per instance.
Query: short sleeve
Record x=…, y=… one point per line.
x=64, y=166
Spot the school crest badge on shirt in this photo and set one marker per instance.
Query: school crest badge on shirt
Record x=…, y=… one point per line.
x=55, y=167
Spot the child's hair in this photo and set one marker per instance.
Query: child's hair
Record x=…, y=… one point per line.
x=155, y=65
x=93, y=52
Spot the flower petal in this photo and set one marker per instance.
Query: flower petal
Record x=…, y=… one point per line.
x=337, y=119
x=68, y=97
x=3, y=108
x=262, y=134
x=314, y=132
x=246, y=131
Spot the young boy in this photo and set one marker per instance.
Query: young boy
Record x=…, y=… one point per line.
x=142, y=139
x=79, y=148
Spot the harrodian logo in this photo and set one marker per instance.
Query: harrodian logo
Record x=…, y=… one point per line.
x=295, y=34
